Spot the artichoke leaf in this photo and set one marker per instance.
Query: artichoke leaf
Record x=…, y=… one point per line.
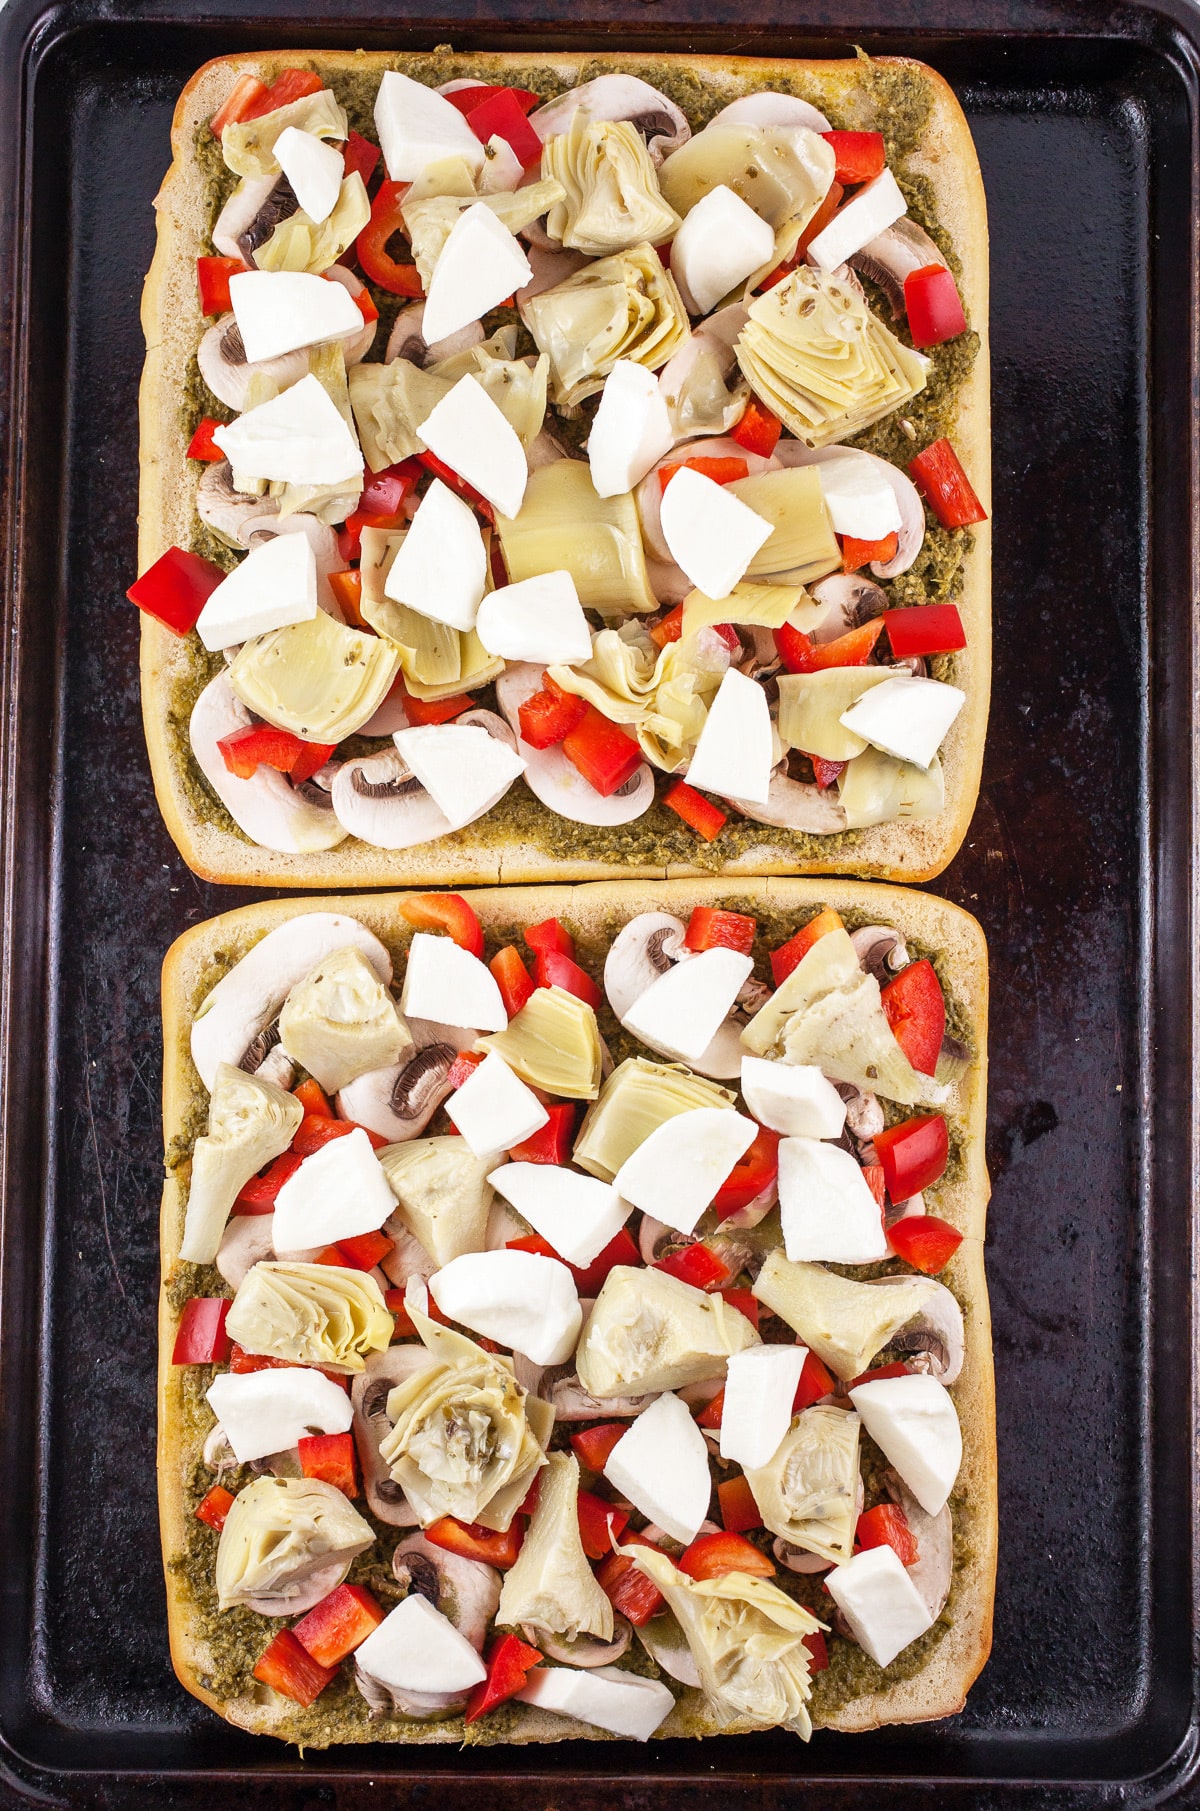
x=623, y=307
x=565, y=526
x=552, y=1585
x=318, y=678
x=302, y=243
x=250, y=1121
x=248, y=146
x=430, y=219
x=877, y=789
x=811, y=706
x=803, y=543
x=611, y=198
x=808, y=1492
x=638, y=1097
x=761, y=606
x=782, y=172
x=430, y=653
x=846, y=1323
x=278, y=1533
x=310, y=1314
x=664, y=694
x=391, y=401
x=341, y=1021
x=553, y=1043
x=649, y=1331
x=443, y=1193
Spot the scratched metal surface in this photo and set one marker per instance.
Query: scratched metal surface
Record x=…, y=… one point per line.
x=1076, y=864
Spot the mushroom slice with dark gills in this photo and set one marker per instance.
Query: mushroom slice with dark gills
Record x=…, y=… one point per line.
x=368, y=1397
x=407, y=339
x=267, y=807
x=231, y=514
x=892, y=256
x=881, y=950
x=554, y=780
x=848, y=1323
x=252, y=213
x=227, y=371
x=794, y=805
x=399, y=1102
x=380, y=800
x=465, y=1591
x=559, y=1385
x=847, y=601
x=618, y=97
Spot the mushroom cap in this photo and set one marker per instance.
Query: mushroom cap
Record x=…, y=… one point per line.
x=398, y=1102
x=648, y=495
x=271, y=811
x=585, y=1650
x=406, y=340
x=642, y=950
x=368, y=1398
x=618, y=97
x=850, y=600
x=933, y=1341
x=933, y=1569
x=795, y=805
x=230, y=513
x=881, y=950
x=771, y=109
x=893, y=255
x=553, y=779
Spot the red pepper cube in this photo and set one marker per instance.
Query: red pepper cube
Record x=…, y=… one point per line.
x=699, y=813
x=924, y=1241
x=550, y=935
x=619, y=1250
x=512, y=978
x=815, y=1382
x=715, y=1555
x=202, y=1339
x=330, y=1457
x=818, y=1650
x=758, y=431
x=600, y=1524
x=215, y=1507
x=202, y=445
x=366, y=1250
x=938, y=475
x=176, y=588
x=448, y=913
x=212, y=279
x=887, y=1526
x=627, y=1588
x=552, y=969
x=931, y=299
x=925, y=629
x=473, y=1542
x=601, y=751
x=916, y=1012
x=711, y=929
x=697, y=1265
x=913, y=1154
x=289, y=1668
x=791, y=954
x=739, y=1511
x=359, y=156
x=551, y=1143
x=754, y=1171
x=593, y=1445
x=742, y=1301
x=258, y=1195
x=338, y=1624
x=710, y=1415
x=500, y=114
x=860, y=155
x=509, y=1659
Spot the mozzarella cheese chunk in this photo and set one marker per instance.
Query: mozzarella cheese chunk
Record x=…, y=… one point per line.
x=906, y=717
x=337, y=1193
x=578, y=1214
x=828, y=1212
x=734, y=753
x=721, y=243
x=880, y=1602
x=792, y=1098
x=479, y=266
x=269, y=1411
x=450, y=986
x=631, y=431
x=526, y=1302
x=858, y=497
x=877, y=205
x=675, y=1173
x=661, y=1465
x=603, y=1696
x=914, y=1423
x=472, y=436
x=539, y=619
x=314, y=169
x=415, y=1648
x=760, y=1387
x=297, y=438
x=441, y=566
x=681, y=1012
x=281, y=311
x=462, y=768
x=276, y=584
x=416, y=127
x=494, y=1109
x=711, y=534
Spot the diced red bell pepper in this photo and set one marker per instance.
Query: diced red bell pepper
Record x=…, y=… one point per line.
x=935, y=311
x=316, y=1130
x=550, y=935
x=473, y=1542
x=619, y=1250
x=258, y=1195
x=758, y=430
x=857, y=554
x=395, y=1303
x=464, y=1064
x=215, y=1507
x=552, y=969
x=913, y=1154
x=725, y=470
x=598, y=1521
x=916, y=1012
x=887, y=1526
x=754, y=1171
x=601, y=751
x=820, y=220
x=742, y=1301
x=552, y=1142
x=714, y=1408
x=262, y=745
x=872, y=1174
x=448, y=912
x=698, y=1265
x=176, y=588
x=329, y=1457
x=289, y=1668
x=739, y=1511
x=714, y=1555
x=466, y=491
x=359, y=156
x=421, y=711
x=941, y=480
x=699, y=813
x=709, y=929
x=366, y=1250
x=313, y=1098
x=384, y=492
x=202, y=1339
x=212, y=279
x=670, y=628
x=362, y=301
x=502, y=115
x=508, y=1660
x=878, y=1375
x=925, y=629
x=333, y=1254
x=818, y=1649
x=534, y=1243
x=860, y=155
x=826, y=773
x=791, y=954
x=549, y=715
x=338, y=1624
x=815, y=1382
x=243, y=103
x=467, y=99
x=289, y=85
x=592, y=1445
x=377, y=263
x=800, y=654
x=627, y=1588
x=347, y=588
x=514, y=981
x=924, y=1241
x=202, y=445
x=240, y=1361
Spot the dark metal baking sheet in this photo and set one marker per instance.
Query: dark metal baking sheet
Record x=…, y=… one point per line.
x=1079, y=864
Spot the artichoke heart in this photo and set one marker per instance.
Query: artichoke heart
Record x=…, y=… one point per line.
x=710, y=395
x=552, y=1043
x=465, y=1440
x=877, y=789
x=623, y=307
x=391, y=401
x=747, y=1639
x=649, y=1331
x=310, y=1314
x=663, y=693
x=811, y=706
x=318, y=679
x=808, y=1494
x=844, y=1322
x=279, y=1532
x=782, y=172
x=829, y=1013
x=816, y=355
x=638, y=1097
x=761, y=606
x=301, y=243
x=443, y=1193
x=611, y=198
x=248, y=146
x=564, y=526
x=341, y=1021
x=552, y=1586
x=430, y=219
x=250, y=1121
x=803, y=544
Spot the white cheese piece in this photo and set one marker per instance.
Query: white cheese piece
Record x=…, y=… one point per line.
x=337, y=1193
x=479, y=266
x=281, y=311
x=417, y=1649
x=276, y=584
x=539, y=619
x=880, y=1602
x=734, y=754
x=675, y=1173
x=269, y=1411
x=720, y=244
x=631, y=431
x=829, y=1214
x=450, y=986
x=906, y=717
x=441, y=566
x=416, y=126
x=914, y=1422
x=297, y=438
x=502, y=171
x=603, y=1696
x=579, y=1215
x=470, y=434
x=525, y=1302
x=314, y=169
x=494, y=1109
x=792, y=1098
x=462, y=768
x=711, y=533
x=858, y=497
x=877, y=205
x=681, y=1012
x=661, y=1465
x=760, y=1387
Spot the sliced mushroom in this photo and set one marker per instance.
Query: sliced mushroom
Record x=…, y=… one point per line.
x=614, y=97
x=551, y=265
x=654, y=1238
x=798, y=1559
x=561, y=1387
x=932, y=1342
x=759, y=658
x=227, y=371
x=217, y=1453
x=378, y=799
x=911, y=537
x=231, y=514
x=408, y=1257
x=849, y=600
x=933, y=1569
x=893, y=255
x=585, y=1650
x=246, y=1241
x=553, y=779
x=667, y=1646
x=643, y=950
x=771, y=109
x=706, y=363
x=368, y=1397
x=267, y=807
x=470, y=1602
x=279, y=203
x=795, y=805
x=881, y=950
x=864, y=1113
x=400, y=1101
x=241, y=210
x=279, y=1068
x=390, y=717
x=745, y=1219
x=911, y=1209
x=407, y=340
